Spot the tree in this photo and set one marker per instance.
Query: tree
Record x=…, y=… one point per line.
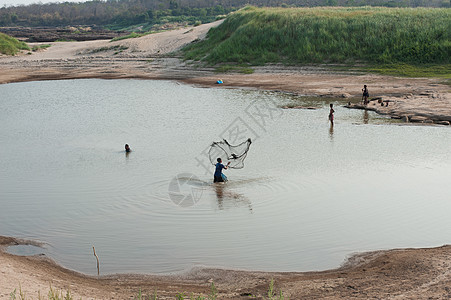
x=173, y=4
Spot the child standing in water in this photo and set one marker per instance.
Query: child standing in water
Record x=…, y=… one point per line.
x=365, y=95
x=331, y=114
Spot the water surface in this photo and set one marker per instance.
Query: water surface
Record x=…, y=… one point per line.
x=308, y=196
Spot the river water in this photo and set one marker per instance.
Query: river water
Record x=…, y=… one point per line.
x=309, y=195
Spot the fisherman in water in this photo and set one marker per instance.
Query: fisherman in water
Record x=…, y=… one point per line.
x=219, y=177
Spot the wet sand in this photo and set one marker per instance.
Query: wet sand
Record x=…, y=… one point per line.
x=425, y=100
x=419, y=100
x=392, y=274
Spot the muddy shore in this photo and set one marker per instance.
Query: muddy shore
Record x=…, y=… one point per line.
x=392, y=274
x=419, y=100
x=423, y=100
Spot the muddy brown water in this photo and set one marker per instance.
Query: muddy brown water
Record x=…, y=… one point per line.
x=308, y=196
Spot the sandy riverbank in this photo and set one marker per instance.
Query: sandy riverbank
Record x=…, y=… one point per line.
x=393, y=274
x=414, y=99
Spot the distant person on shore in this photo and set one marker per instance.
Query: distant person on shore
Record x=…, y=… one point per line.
x=219, y=177
x=331, y=114
x=127, y=148
x=365, y=95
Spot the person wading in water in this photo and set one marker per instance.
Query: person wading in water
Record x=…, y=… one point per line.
x=219, y=177
x=365, y=95
x=331, y=114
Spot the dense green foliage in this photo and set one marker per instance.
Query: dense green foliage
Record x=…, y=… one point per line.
x=112, y=14
x=331, y=35
x=122, y=13
x=10, y=45
x=147, y=19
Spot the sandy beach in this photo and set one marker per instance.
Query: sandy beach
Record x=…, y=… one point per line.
x=392, y=274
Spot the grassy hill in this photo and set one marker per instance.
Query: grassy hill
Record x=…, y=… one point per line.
x=10, y=45
x=369, y=35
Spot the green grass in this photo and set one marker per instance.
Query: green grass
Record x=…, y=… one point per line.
x=212, y=295
x=10, y=45
x=406, y=70
x=131, y=36
x=364, y=35
x=39, y=47
x=117, y=48
x=52, y=295
x=65, y=40
x=272, y=295
x=234, y=68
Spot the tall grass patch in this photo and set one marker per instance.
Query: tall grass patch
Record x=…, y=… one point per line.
x=10, y=45
x=372, y=35
x=405, y=70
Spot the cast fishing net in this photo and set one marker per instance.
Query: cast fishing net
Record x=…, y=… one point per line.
x=229, y=153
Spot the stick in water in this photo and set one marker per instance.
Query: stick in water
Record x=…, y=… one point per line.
x=98, y=268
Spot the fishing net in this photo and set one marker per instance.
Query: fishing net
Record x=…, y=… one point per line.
x=229, y=153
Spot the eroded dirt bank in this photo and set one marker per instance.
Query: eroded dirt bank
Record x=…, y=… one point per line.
x=392, y=274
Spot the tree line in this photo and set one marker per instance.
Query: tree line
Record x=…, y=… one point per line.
x=121, y=13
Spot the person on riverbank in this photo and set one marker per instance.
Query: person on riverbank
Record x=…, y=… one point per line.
x=365, y=94
x=127, y=148
x=331, y=114
x=219, y=177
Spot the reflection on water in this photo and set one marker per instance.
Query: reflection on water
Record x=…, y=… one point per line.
x=365, y=117
x=331, y=131
x=26, y=250
x=227, y=198
x=67, y=182
x=219, y=189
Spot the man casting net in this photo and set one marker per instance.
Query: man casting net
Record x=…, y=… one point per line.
x=231, y=155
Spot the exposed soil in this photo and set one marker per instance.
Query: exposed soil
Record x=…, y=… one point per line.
x=393, y=274
x=419, y=100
